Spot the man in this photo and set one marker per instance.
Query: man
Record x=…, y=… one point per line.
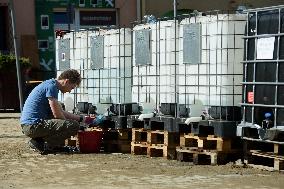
x=44, y=120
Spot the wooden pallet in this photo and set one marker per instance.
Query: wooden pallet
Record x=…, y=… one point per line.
x=264, y=154
x=210, y=142
x=72, y=141
x=166, y=138
x=139, y=148
x=139, y=135
x=204, y=157
x=160, y=150
x=265, y=160
x=263, y=145
x=156, y=143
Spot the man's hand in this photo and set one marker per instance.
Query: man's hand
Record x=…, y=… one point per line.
x=88, y=120
x=99, y=119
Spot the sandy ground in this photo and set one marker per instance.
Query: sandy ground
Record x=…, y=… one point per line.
x=20, y=167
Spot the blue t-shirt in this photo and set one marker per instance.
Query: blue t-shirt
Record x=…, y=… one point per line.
x=36, y=107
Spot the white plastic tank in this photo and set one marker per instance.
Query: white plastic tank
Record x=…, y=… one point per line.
x=111, y=81
x=76, y=56
x=213, y=78
x=154, y=82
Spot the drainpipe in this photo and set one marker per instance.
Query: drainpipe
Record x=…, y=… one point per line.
x=12, y=13
x=175, y=8
x=176, y=95
x=139, y=9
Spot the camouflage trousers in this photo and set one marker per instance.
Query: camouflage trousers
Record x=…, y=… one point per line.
x=52, y=131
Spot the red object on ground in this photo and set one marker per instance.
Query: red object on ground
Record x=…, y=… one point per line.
x=90, y=141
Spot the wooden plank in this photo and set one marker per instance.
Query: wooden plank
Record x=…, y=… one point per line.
x=171, y=138
x=186, y=157
x=71, y=142
x=267, y=161
x=163, y=137
x=210, y=143
x=139, y=135
x=138, y=149
x=189, y=141
x=208, y=157
x=276, y=148
x=159, y=150
x=278, y=164
x=264, y=141
x=266, y=154
x=198, y=158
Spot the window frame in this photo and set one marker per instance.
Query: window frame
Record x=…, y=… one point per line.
x=93, y=4
x=42, y=40
x=82, y=4
x=41, y=22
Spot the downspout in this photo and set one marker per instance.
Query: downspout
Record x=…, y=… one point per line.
x=139, y=10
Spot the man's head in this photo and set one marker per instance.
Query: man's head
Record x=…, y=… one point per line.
x=69, y=79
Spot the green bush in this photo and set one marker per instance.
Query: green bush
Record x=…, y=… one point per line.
x=8, y=62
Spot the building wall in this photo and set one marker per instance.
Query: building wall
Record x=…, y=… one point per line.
x=86, y=16
x=127, y=11
x=3, y=29
x=24, y=14
x=160, y=7
x=24, y=21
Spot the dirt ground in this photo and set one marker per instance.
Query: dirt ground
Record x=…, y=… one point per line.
x=20, y=167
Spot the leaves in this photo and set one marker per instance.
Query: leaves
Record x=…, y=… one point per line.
x=8, y=62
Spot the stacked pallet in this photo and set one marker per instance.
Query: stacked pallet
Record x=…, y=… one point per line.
x=154, y=143
x=264, y=154
x=209, y=149
x=139, y=141
x=117, y=140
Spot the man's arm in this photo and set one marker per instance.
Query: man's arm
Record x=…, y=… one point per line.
x=56, y=108
x=72, y=116
x=59, y=113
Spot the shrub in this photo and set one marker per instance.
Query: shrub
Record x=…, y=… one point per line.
x=8, y=62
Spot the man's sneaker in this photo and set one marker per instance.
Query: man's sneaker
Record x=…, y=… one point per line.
x=37, y=144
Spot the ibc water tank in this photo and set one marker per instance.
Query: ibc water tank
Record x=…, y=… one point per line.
x=210, y=73
x=263, y=81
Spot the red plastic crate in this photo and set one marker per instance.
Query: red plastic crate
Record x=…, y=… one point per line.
x=90, y=141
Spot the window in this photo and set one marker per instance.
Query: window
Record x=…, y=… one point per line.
x=81, y=3
x=44, y=22
x=42, y=44
x=60, y=18
x=94, y=2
